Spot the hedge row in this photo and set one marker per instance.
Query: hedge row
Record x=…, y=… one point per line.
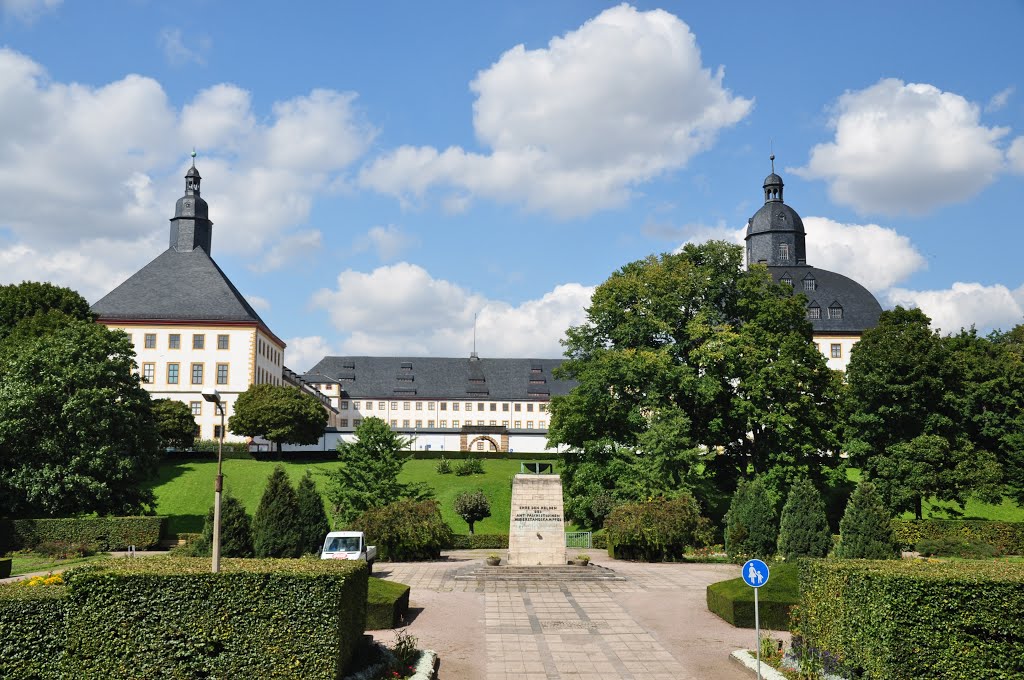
x=1007, y=536
x=165, y=617
x=104, y=533
x=733, y=600
x=479, y=541
x=431, y=454
x=915, y=619
x=387, y=604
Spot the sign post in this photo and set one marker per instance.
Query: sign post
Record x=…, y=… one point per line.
x=755, y=575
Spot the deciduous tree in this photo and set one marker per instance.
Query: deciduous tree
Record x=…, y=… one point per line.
x=175, y=423
x=472, y=506
x=279, y=413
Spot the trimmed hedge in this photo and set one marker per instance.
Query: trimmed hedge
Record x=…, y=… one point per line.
x=405, y=531
x=431, y=454
x=733, y=600
x=387, y=604
x=656, y=530
x=32, y=631
x=915, y=618
x=1008, y=537
x=105, y=533
x=479, y=542
x=167, y=617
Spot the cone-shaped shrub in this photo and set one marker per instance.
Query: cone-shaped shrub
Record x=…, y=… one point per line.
x=313, y=521
x=275, y=528
x=235, y=530
x=751, y=529
x=865, y=531
x=803, y=529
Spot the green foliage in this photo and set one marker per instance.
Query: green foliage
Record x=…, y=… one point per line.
x=733, y=600
x=914, y=619
x=279, y=413
x=175, y=424
x=104, y=533
x=235, y=531
x=656, y=530
x=275, y=527
x=479, y=542
x=803, y=529
x=469, y=466
x=313, y=522
x=63, y=550
x=751, y=528
x=32, y=632
x=1007, y=537
x=77, y=433
x=188, y=623
x=387, y=604
x=472, y=506
x=367, y=476
x=444, y=466
x=686, y=353
x=948, y=547
x=866, y=528
x=22, y=301
x=405, y=531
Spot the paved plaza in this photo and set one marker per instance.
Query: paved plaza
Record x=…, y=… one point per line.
x=652, y=625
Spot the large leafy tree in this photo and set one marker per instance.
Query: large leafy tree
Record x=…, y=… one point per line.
x=77, y=432
x=175, y=423
x=906, y=416
x=279, y=413
x=367, y=476
x=24, y=300
x=690, y=366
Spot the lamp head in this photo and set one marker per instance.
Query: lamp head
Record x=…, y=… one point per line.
x=211, y=395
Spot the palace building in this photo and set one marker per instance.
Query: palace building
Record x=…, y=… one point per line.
x=839, y=308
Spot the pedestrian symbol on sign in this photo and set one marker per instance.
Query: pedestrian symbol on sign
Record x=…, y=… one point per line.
x=755, y=573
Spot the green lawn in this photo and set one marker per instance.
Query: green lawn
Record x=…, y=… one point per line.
x=184, y=491
x=28, y=563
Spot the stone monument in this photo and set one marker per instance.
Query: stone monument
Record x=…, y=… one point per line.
x=536, y=534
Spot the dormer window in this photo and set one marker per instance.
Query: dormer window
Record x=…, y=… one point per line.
x=814, y=311
x=835, y=311
x=786, y=279
x=810, y=284
x=784, y=252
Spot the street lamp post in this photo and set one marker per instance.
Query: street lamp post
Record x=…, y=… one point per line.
x=218, y=485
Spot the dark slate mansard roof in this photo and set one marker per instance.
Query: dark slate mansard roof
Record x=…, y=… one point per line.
x=449, y=379
x=775, y=225
x=183, y=283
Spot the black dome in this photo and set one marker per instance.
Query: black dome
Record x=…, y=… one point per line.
x=775, y=216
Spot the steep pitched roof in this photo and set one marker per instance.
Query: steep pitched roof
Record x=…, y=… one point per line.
x=860, y=309
x=441, y=378
x=177, y=286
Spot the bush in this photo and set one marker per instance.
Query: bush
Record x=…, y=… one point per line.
x=104, y=533
x=31, y=631
x=469, y=466
x=406, y=531
x=751, y=529
x=951, y=547
x=62, y=550
x=915, y=619
x=387, y=604
x=444, y=466
x=436, y=454
x=803, y=529
x=658, y=530
x=733, y=600
x=865, y=531
x=479, y=542
x=472, y=506
x=1007, y=537
x=313, y=522
x=235, y=531
x=275, y=528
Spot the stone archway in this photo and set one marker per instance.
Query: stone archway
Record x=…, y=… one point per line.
x=494, y=445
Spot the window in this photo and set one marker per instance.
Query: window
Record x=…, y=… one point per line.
x=148, y=372
x=542, y=407
x=504, y=407
x=519, y=407
x=419, y=405
x=222, y=342
x=455, y=423
x=198, y=341
x=810, y=283
x=430, y=406
x=518, y=424
x=786, y=280
x=369, y=406
x=394, y=406
x=443, y=406
x=419, y=423
x=469, y=406
x=430, y=423
x=222, y=374
x=479, y=406
x=394, y=423
x=529, y=424
x=835, y=311
x=382, y=405
x=356, y=422
x=197, y=407
x=174, y=341
x=542, y=424
x=494, y=422
x=405, y=406
x=199, y=432
x=150, y=340
x=197, y=374
x=355, y=405
x=455, y=406
x=405, y=423
x=479, y=422
x=784, y=252
x=837, y=350
x=814, y=312
x=343, y=422
x=216, y=431
x=344, y=406
x=480, y=446
x=504, y=423
x=172, y=374
x=494, y=407
x=444, y=423
x=529, y=407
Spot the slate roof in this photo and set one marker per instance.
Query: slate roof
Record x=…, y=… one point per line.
x=177, y=286
x=441, y=378
x=860, y=308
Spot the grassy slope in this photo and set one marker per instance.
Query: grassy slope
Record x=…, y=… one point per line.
x=184, y=491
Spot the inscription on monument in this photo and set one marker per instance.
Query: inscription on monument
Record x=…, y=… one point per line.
x=537, y=526
x=534, y=516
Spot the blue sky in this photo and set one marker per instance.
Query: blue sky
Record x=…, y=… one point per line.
x=378, y=175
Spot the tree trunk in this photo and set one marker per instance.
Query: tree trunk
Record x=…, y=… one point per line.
x=917, y=506
x=470, y=528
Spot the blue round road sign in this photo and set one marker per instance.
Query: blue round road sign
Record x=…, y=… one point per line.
x=755, y=573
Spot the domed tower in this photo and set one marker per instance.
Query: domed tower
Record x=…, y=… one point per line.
x=191, y=227
x=775, y=234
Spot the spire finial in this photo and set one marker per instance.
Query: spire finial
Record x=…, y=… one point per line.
x=193, y=156
x=474, y=354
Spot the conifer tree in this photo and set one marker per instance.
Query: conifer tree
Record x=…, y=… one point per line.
x=235, y=530
x=313, y=522
x=751, y=528
x=866, y=528
x=275, y=528
x=803, y=529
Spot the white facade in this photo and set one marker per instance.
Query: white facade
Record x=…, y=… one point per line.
x=836, y=348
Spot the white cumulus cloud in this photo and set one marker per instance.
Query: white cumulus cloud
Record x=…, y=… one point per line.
x=874, y=256
x=402, y=309
x=387, y=241
x=303, y=352
x=966, y=304
x=905, y=148
x=1016, y=155
x=572, y=127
